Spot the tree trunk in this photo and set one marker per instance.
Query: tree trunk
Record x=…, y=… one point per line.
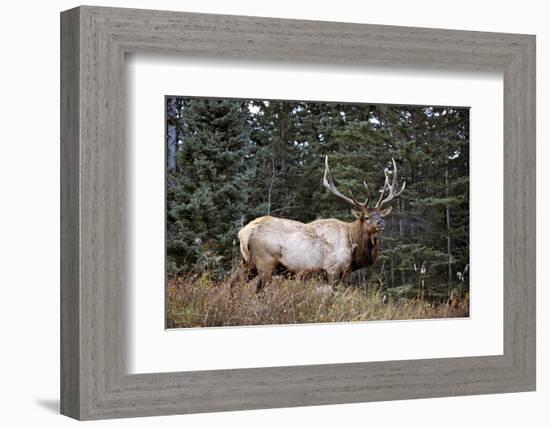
x=172, y=136
x=401, y=208
x=448, y=219
x=270, y=186
x=392, y=273
x=172, y=148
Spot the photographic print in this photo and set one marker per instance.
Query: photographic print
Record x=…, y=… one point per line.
x=290, y=212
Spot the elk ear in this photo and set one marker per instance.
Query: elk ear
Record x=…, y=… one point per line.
x=358, y=214
x=386, y=211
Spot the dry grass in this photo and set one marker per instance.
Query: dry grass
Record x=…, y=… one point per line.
x=203, y=302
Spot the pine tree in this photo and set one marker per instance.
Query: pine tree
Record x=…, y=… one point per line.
x=207, y=193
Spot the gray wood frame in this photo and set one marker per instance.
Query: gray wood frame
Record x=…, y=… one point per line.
x=94, y=383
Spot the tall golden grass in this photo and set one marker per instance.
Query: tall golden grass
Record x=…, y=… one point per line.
x=202, y=301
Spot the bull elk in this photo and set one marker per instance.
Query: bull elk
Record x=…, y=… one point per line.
x=325, y=245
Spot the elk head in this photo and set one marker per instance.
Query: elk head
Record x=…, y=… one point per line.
x=371, y=219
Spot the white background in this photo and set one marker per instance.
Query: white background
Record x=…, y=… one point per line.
x=29, y=224
x=152, y=349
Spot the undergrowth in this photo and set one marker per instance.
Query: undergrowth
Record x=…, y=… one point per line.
x=201, y=301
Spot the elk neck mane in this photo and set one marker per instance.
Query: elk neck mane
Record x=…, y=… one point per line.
x=366, y=245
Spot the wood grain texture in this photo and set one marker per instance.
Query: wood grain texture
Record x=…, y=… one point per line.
x=70, y=292
x=94, y=235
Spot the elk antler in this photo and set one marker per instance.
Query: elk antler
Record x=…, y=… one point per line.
x=328, y=182
x=390, y=188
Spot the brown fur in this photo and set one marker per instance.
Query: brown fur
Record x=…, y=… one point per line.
x=365, y=237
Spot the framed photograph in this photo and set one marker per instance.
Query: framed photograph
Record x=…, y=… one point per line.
x=261, y=213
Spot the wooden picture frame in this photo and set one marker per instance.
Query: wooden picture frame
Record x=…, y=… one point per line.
x=94, y=382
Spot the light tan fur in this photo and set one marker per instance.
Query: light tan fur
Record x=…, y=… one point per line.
x=325, y=245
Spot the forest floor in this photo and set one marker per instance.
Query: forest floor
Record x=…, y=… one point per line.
x=204, y=302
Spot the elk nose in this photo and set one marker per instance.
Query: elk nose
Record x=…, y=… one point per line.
x=380, y=224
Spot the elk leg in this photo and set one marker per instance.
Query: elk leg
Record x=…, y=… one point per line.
x=265, y=270
x=244, y=272
x=235, y=276
x=334, y=278
x=262, y=280
x=258, y=284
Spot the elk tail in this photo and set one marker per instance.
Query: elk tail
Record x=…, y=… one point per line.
x=244, y=236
